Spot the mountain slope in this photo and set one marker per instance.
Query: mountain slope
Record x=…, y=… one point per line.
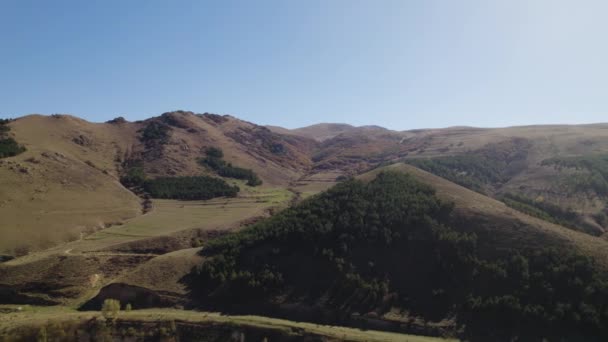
x=558, y=165
x=392, y=250
x=324, y=131
x=67, y=183
x=58, y=188
x=504, y=228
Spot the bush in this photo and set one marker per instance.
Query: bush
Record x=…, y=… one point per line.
x=8, y=146
x=214, y=152
x=134, y=176
x=155, y=133
x=110, y=309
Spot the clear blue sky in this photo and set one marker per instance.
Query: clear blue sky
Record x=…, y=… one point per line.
x=399, y=64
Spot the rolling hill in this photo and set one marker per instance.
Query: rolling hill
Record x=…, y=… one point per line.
x=553, y=165
x=405, y=246
x=82, y=232
x=67, y=182
x=324, y=131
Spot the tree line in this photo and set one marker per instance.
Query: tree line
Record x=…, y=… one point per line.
x=214, y=160
x=183, y=188
x=368, y=247
x=8, y=146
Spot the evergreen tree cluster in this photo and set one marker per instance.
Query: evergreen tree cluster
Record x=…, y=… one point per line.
x=183, y=188
x=155, y=133
x=214, y=160
x=8, y=146
x=189, y=188
x=362, y=247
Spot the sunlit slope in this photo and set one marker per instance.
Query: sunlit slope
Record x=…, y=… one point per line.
x=65, y=183
x=73, y=272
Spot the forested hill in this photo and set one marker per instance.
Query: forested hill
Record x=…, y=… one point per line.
x=385, y=250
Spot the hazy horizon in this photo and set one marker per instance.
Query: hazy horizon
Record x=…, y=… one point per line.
x=396, y=64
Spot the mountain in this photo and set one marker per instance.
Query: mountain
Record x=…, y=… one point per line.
x=442, y=232
x=67, y=182
x=562, y=166
x=404, y=245
x=324, y=131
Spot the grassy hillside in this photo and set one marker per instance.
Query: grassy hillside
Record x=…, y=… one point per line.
x=73, y=272
x=451, y=149
x=67, y=182
x=391, y=249
x=58, y=188
x=184, y=325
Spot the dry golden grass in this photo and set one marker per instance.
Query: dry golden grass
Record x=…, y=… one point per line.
x=49, y=194
x=36, y=316
x=314, y=183
x=95, y=255
x=164, y=272
x=67, y=181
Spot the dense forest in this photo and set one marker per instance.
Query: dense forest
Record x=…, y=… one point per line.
x=189, y=188
x=183, y=188
x=8, y=146
x=214, y=160
x=368, y=247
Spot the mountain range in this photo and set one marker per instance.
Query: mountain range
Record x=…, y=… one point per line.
x=92, y=211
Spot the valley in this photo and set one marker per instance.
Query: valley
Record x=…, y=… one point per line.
x=316, y=229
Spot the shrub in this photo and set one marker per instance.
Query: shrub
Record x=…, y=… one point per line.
x=8, y=146
x=110, y=309
x=155, y=133
x=214, y=152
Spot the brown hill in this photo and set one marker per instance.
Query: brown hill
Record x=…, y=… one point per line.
x=324, y=131
x=66, y=184
x=500, y=227
x=67, y=181
x=561, y=165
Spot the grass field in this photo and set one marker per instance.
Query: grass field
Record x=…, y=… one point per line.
x=37, y=316
x=72, y=265
x=313, y=184
x=171, y=216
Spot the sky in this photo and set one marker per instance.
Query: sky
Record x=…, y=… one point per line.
x=399, y=64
